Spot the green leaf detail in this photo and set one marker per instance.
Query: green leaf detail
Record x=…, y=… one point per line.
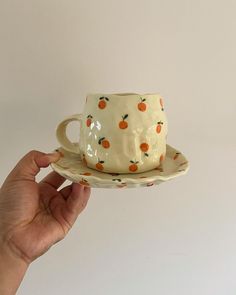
x=125, y=116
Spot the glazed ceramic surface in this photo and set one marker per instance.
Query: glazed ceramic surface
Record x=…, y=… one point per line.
x=120, y=133
x=72, y=167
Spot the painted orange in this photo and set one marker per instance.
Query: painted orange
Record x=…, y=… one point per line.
x=105, y=144
x=87, y=173
x=133, y=168
x=144, y=147
x=84, y=182
x=102, y=104
x=121, y=185
x=61, y=153
x=99, y=166
x=84, y=161
x=162, y=104
x=176, y=156
x=88, y=122
x=123, y=124
x=161, y=158
x=158, y=128
x=142, y=106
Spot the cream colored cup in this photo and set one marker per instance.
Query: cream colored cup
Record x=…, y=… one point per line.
x=119, y=133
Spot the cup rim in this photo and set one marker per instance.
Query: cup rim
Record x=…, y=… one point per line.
x=124, y=94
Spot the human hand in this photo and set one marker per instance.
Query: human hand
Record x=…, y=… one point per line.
x=34, y=216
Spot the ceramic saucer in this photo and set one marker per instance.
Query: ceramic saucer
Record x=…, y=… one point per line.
x=71, y=167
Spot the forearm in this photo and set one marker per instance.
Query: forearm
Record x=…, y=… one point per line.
x=12, y=271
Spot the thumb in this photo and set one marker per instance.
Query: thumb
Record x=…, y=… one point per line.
x=29, y=166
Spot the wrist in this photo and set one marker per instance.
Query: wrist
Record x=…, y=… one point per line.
x=12, y=270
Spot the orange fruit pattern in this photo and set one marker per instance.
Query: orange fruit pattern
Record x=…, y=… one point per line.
x=104, y=142
x=89, y=120
x=121, y=185
x=133, y=167
x=84, y=182
x=161, y=158
x=144, y=148
x=61, y=153
x=119, y=182
x=158, y=128
x=162, y=104
x=84, y=160
x=102, y=102
x=99, y=165
x=176, y=156
x=87, y=173
x=142, y=106
x=123, y=124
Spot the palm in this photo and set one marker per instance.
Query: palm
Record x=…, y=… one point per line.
x=42, y=216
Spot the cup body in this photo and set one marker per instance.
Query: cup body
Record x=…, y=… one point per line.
x=123, y=133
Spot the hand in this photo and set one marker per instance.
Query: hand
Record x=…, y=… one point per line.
x=34, y=216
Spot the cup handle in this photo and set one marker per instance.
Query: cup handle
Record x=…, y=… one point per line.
x=62, y=136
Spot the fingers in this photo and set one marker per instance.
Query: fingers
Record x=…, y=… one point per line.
x=66, y=191
x=53, y=179
x=76, y=202
x=29, y=166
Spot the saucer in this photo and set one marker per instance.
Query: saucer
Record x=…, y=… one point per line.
x=72, y=168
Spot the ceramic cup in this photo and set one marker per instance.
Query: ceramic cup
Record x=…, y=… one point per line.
x=119, y=133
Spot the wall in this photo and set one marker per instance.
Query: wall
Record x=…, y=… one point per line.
x=180, y=237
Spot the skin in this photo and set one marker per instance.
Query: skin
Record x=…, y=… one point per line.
x=34, y=216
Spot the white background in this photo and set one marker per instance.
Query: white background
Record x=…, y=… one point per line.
x=178, y=238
